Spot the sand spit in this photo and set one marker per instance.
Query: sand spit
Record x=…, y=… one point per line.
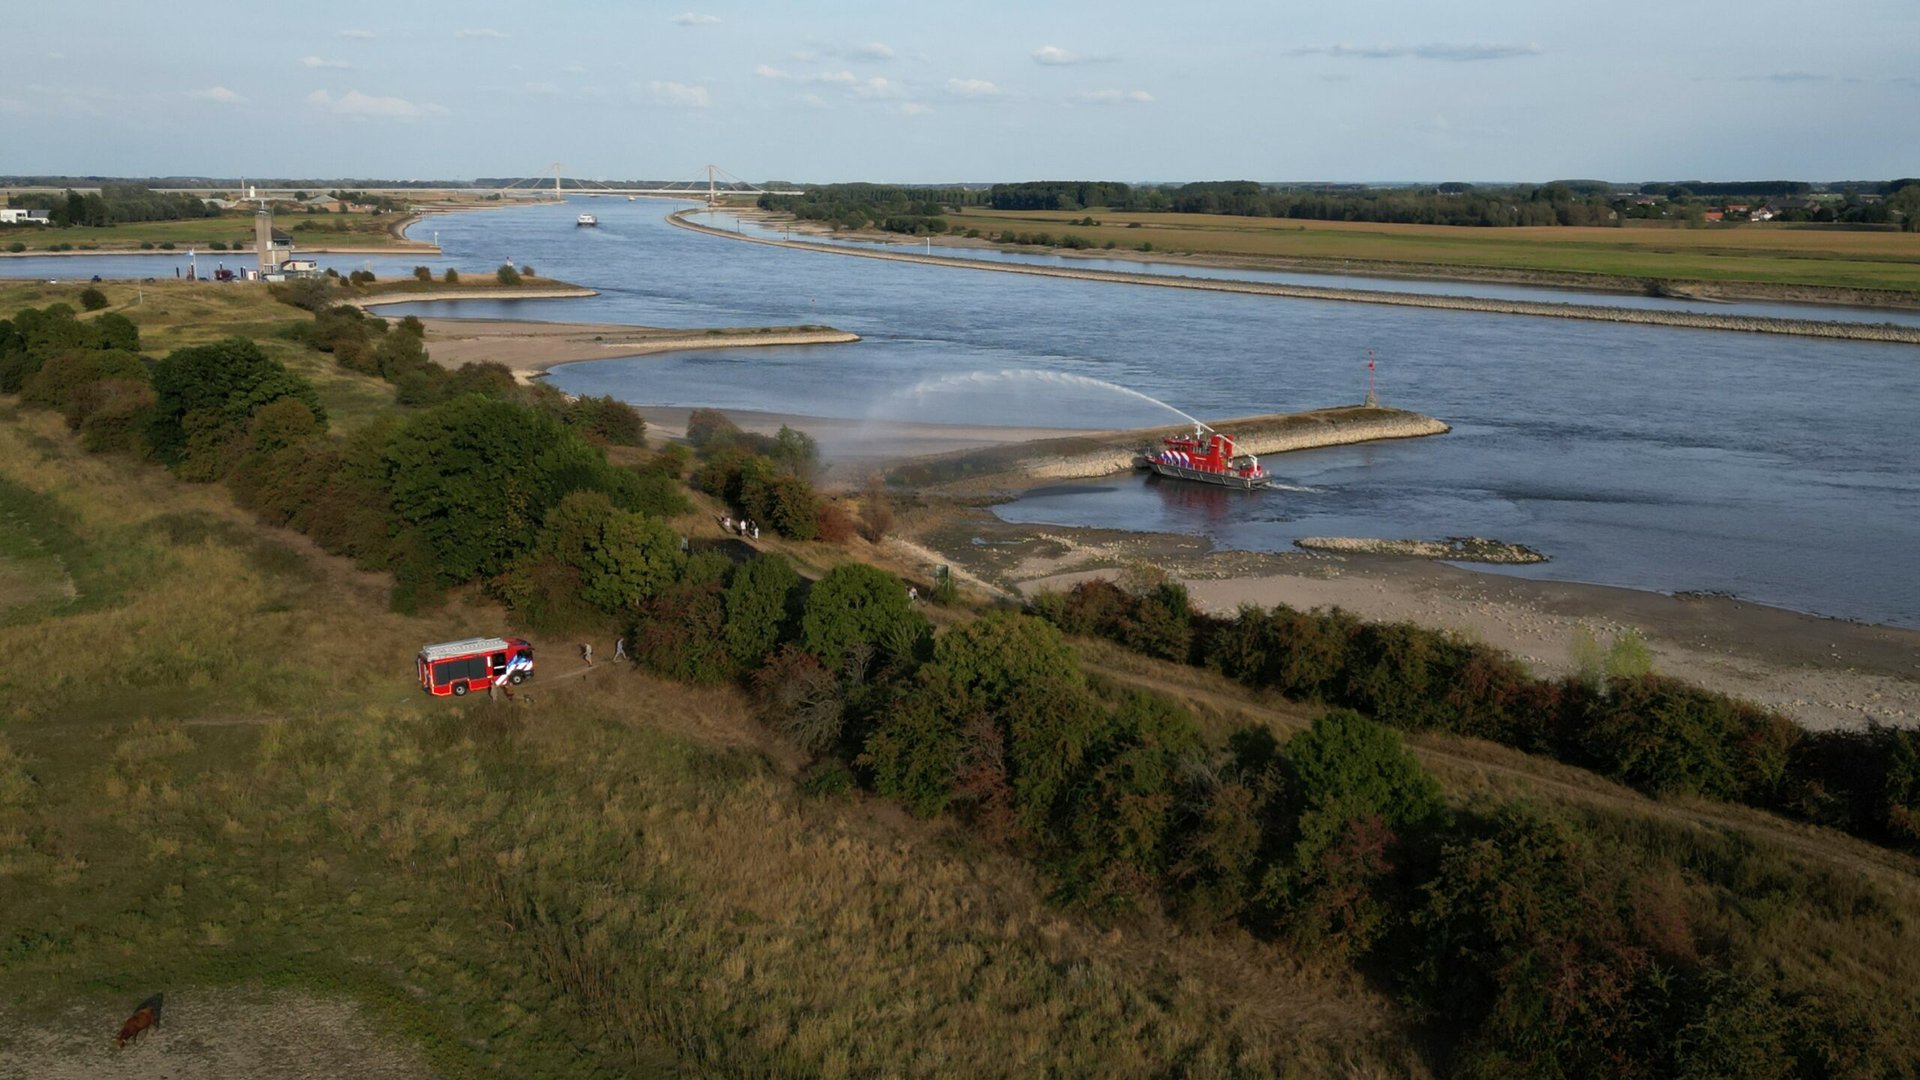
x=530, y=349
x=1885, y=332
x=536, y=292
x=1094, y=454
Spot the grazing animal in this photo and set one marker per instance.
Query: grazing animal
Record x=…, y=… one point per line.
x=146, y=1016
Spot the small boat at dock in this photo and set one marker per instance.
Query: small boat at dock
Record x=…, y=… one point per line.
x=1208, y=457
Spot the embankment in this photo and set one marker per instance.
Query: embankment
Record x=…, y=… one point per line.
x=1885, y=332
x=1079, y=457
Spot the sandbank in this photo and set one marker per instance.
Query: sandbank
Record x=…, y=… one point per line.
x=531, y=349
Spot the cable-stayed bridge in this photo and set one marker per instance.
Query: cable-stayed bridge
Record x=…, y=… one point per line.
x=716, y=184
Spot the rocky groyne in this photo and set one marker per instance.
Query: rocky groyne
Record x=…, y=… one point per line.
x=1476, y=549
x=491, y=292
x=1853, y=331
x=1095, y=454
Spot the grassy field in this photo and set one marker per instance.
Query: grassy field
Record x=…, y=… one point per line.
x=1765, y=253
x=218, y=780
x=233, y=229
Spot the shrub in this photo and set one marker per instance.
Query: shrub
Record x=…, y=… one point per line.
x=223, y=383
x=507, y=275
x=855, y=604
x=762, y=607
x=421, y=273
x=92, y=298
x=1526, y=946
x=451, y=276
x=607, y=420
x=799, y=698
x=710, y=428
x=835, y=526
x=679, y=634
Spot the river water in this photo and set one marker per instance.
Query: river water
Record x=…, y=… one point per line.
x=1782, y=470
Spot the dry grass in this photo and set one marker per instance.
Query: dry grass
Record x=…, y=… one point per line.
x=226, y=774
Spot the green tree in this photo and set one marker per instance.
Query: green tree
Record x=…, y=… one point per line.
x=760, y=607
x=225, y=383
x=92, y=298
x=507, y=275
x=855, y=604
x=476, y=476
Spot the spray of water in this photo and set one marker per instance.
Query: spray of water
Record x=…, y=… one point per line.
x=981, y=380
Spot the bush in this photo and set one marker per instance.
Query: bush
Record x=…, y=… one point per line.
x=800, y=699
x=92, y=298
x=221, y=386
x=421, y=273
x=451, y=276
x=607, y=420
x=507, y=275
x=679, y=634
x=762, y=607
x=835, y=526
x=855, y=604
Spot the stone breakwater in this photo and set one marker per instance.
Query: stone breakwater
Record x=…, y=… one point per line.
x=1887, y=332
x=568, y=292
x=1453, y=549
x=1096, y=454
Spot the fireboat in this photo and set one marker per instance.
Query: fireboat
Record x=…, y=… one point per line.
x=1208, y=456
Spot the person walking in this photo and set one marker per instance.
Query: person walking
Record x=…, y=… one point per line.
x=619, y=648
x=586, y=652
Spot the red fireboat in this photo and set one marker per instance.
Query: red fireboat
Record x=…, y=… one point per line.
x=1207, y=456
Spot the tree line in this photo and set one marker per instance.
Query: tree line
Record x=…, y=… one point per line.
x=116, y=204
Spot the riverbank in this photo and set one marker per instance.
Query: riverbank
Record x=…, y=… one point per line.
x=530, y=349
x=1167, y=232
x=1853, y=331
x=1825, y=673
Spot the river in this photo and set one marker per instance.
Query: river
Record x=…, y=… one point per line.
x=1783, y=470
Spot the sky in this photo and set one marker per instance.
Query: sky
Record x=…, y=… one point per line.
x=1362, y=91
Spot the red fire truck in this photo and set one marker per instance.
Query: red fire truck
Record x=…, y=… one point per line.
x=455, y=667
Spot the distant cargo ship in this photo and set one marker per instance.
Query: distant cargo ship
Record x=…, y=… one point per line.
x=586, y=221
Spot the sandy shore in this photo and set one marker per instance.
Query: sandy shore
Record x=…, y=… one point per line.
x=531, y=349
x=1825, y=673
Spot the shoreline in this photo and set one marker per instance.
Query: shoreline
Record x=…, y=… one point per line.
x=1874, y=332
x=1824, y=672
x=1702, y=291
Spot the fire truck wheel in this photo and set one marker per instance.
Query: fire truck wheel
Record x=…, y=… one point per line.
x=459, y=689
x=517, y=678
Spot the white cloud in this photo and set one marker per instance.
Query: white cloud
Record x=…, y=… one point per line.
x=474, y=33
x=217, y=93
x=1114, y=97
x=872, y=50
x=677, y=94
x=357, y=35
x=1055, y=55
x=320, y=62
x=691, y=19
x=876, y=88
x=768, y=71
x=358, y=106
x=835, y=78
x=973, y=88
x=913, y=108
x=815, y=101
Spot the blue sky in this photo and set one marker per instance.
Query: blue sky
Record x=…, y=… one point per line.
x=989, y=90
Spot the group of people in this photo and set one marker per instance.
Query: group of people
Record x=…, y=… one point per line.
x=744, y=527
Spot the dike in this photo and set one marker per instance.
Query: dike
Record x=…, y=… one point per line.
x=1753, y=324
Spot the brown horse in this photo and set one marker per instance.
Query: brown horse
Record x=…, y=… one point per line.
x=146, y=1016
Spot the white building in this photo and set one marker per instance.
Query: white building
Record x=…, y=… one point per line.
x=10, y=215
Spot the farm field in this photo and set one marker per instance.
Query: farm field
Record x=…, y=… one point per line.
x=1768, y=254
